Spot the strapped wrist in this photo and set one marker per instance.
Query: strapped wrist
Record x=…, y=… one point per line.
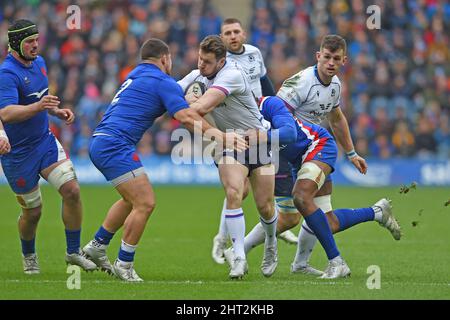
x=351, y=154
x=3, y=134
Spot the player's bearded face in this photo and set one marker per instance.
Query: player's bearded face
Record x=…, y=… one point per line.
x=233, y=36
x=30, y=47
x=329, y=62
x=208, y=64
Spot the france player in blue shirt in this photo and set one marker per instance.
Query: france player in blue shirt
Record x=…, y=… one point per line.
x=147, y=93
x=24, y=108
x=303, y=144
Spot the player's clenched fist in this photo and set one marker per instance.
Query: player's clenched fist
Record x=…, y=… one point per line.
x=5, y=147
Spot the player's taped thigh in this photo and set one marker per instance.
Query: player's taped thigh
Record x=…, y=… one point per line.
x=285, y=205
x=30, y=200
x=128, y=176
x=62, y=174
x=312, y=171
x=324, y=203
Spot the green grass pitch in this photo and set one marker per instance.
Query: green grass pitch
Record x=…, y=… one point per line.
x=174, y=258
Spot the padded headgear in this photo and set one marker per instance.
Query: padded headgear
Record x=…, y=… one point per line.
x=18, y=33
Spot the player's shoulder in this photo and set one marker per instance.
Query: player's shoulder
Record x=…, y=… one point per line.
x=231, y=69
x=336, y=80
x=251, y=49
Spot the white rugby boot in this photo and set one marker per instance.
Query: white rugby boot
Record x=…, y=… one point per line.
x=78, y=259
x=219, y=246
x=125, y=271
x=229, y=256
x=306, y=269
x=30, y=264
x=270, y=260
x=289, y=237
x=337, y=268
x=96, y=252
x=239, y=268
x=388, y=220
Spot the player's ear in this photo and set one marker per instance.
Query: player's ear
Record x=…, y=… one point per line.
x=222, y=62
x=344, y=60
x=317, y=55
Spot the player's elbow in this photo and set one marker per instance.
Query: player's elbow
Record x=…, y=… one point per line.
x=5, y=116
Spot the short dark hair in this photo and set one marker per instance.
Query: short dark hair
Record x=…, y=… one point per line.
x=333, y=42
x=231, y=21
x=215, y=45
x=154, y=48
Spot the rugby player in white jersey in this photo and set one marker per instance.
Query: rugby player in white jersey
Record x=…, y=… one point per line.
x=312, y=95
x=230, y=102
x=251, y=61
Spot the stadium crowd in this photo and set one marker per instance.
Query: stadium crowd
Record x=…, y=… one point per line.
x=396, y=91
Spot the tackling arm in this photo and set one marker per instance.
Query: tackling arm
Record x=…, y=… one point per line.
x=207, y=102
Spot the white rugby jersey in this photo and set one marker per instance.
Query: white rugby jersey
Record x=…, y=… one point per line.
x=239, y=110
x=308, y=97
x=251, y=61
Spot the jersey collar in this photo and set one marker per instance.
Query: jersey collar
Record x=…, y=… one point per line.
x=316, y=73
x=238, y=53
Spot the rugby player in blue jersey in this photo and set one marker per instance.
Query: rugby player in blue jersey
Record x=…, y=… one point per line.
x=312, y=152
x=147, y=93
x=24, y=108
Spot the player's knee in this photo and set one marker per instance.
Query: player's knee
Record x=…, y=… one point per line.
x=266, y=209
x=146, y=206
x=234, y=195
x=31, y=216
x=302, y=201
x=287, y=221
x=71, y=193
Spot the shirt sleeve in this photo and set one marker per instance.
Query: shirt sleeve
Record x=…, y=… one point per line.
x=230, y=82
x=295, y=90
x=172, y=96
x=281, y=119
x=188, y=79
x=9, y=92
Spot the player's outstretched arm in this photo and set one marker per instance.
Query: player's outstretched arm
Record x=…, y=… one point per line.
x=339, y=125
x=207, y=102
x=193, y=121
x=19, y=113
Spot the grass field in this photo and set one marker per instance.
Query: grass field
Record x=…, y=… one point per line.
x=174, y=254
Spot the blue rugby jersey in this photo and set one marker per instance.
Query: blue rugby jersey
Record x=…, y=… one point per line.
x=146, y=94
x=23, y=85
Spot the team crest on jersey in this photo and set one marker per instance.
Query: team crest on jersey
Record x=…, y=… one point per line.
x=333, y=92
x=251, y=58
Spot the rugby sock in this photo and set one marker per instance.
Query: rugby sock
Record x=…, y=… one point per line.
x=254, y=238
x=223, y=225
x=103, y=236
x=270, y=228
x=28, y=246
x=306, y=242
x=318, y=223
x=73, y=241
x=235, y=221
x=350, y=217
x=126, y=252
x=378, y=213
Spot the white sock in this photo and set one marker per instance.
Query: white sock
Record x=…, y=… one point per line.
x=235, y=221
x=254, y=238
x=306, y=242
x=270, y=227
x=223, y=225
x=378, y=213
